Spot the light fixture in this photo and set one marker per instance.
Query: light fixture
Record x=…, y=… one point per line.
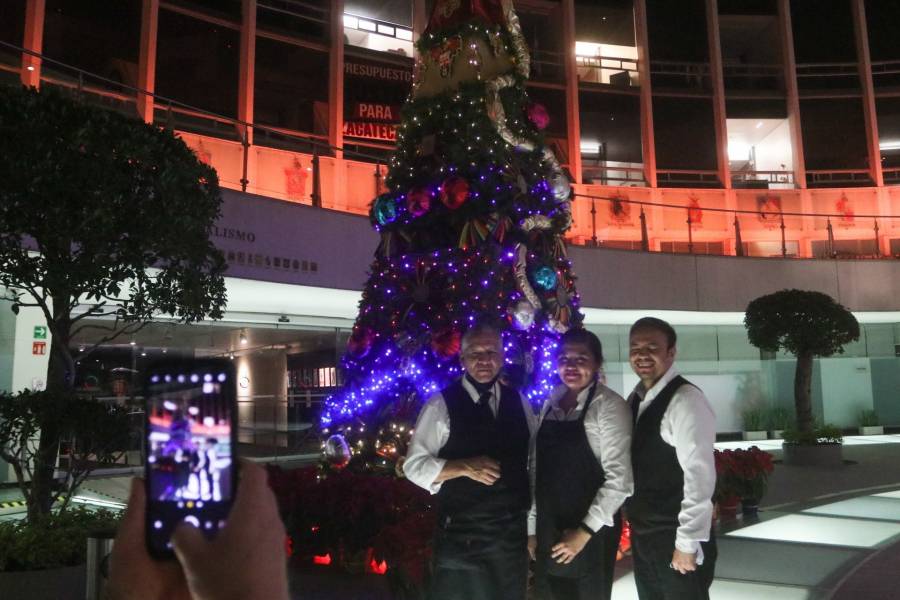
x=132, y=342
x=143, y=352
x=243, y=337
x=165, y=350
x=231, y=355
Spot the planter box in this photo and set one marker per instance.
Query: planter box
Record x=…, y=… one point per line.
x=752, y=436
x=49, y=584
x=872, y=430
x=820, y=455
x=776, y=434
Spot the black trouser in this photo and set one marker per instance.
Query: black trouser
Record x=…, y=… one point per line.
x=481, y=563
x=656, y=580
x=597, y=583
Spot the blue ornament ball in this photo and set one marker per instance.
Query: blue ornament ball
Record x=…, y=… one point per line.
x=544, y=277
x=384, y=210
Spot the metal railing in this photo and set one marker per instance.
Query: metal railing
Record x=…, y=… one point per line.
x=591, y=69
x=767, y=177
x=774, y=218
x=673, y=73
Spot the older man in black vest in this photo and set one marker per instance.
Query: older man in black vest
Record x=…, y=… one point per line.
x=674, y=472
x=471, y=447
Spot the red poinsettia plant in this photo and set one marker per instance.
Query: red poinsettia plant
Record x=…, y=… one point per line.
x=742, y=474
x=346, y=514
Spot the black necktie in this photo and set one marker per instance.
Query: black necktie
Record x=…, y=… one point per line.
x=635, y=404
x=484, y=405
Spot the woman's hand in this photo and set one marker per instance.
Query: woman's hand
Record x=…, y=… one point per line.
x=570, y=544
x=532, y=547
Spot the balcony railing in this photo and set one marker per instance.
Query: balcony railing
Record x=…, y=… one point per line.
x=609, y=70
x=732, y=231
x=680, y=74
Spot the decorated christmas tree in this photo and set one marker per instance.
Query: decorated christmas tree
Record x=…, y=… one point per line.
x=471, y=230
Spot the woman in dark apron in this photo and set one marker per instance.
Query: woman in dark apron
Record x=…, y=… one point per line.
x=583, y=475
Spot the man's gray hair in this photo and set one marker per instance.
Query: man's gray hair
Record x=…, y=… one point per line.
x=480, y=329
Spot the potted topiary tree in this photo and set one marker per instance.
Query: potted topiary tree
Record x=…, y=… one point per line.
x=806, y=324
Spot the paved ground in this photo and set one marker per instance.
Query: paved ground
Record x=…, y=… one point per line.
x=820, y=534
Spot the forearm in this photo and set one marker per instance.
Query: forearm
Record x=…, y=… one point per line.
x=453, y=469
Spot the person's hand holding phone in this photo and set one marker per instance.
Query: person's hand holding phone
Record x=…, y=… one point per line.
x=245, y=561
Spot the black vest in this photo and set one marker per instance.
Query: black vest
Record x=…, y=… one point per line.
x=658, y=478
x=504, y=438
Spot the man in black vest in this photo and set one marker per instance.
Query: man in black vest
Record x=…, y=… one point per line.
x=471, y=447
x=674, y=472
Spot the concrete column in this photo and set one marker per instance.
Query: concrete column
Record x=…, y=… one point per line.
x=718, y=90
x=336, y=79
x=247, y=72
x=648, y=141
x=573, y=118
x=33, y=40
x=864, y=62
x=336, y=105
x=147, y=59
x=793, y=94
x=420, y=18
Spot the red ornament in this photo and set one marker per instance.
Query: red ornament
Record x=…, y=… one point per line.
x=360, y=341
x=538, y=115
x=446, y=343
x=454, y=192
x=418, y=201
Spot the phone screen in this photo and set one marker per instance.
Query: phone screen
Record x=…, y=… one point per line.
x=190, y=447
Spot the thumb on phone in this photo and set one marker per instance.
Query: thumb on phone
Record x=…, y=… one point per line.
x=188, y=543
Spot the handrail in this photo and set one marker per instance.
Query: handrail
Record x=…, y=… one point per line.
x=185, y=108
x=643, y=203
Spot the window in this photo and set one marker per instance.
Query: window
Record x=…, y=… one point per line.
x=12, y=31
x=197, y=63
x=99, y=37
x=291, y=88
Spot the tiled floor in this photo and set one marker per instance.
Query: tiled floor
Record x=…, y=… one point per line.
x=799, y=552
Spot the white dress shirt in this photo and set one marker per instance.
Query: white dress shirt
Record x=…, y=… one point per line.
x=608, y=428
x=432, y=431
x=689, y=424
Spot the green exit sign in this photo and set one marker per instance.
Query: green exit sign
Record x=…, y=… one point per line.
x=40, y=332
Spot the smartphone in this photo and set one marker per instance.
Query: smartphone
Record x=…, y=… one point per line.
x=190, y=444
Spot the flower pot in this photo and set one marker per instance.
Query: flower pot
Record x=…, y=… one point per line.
x=728, y=507
x=67, y=583
x=752, y=436
x=815, y=455
x=750, y=507
x=872, y=430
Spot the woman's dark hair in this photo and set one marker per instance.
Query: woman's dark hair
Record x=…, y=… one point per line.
x=585, y=338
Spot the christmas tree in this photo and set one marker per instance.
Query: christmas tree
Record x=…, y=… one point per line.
x=471, y=230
